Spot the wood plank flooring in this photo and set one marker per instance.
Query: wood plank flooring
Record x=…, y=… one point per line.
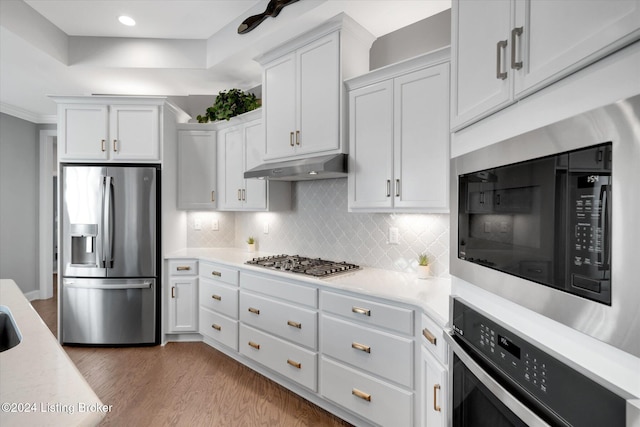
x=184, y=384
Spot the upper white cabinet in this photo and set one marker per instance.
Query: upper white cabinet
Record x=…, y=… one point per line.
x=109, y=129
x=505, y=50
x=240, y=148
x=399, y=136
x=303, y=93
x=197, y=166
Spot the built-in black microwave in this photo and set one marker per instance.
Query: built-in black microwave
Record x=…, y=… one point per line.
x=546, y=219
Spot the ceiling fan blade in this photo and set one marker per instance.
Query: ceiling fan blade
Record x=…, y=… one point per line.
x=273, y=9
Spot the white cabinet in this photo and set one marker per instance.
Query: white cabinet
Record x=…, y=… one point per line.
x=218, y=301
x=434, y=387
x=183, y=296
x=240, y=148
x=399, y=137
x=302, y=89
x=505, y=50
x=197, y=169
x=92, y=129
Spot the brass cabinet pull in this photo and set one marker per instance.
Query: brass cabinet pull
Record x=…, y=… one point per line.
x=102, y=145
x=216, y=327
x=239, y=194
x=213, y=195
x=297, y=137
x=361, y=347
x=294, y=324
x=436, y=408
x=429, y=336
x=115, y=145
x=294, y=363
x=388, y=188
x=254, y=345
x=361, y=394
x=216, y=297
x=244, y=194
x=173, y=292
x=291, y=139
x=216, y=273
x=515, y=34
x=183, y=268
x=253, y=310
x=359, y=310
x=397, y=188
x=500, y=47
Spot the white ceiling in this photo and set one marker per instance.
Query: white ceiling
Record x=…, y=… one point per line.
x=177, y=48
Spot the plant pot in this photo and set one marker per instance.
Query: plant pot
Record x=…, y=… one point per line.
x=251, y=247
x=424, y=272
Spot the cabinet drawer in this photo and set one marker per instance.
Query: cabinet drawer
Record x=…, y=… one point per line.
x=219, y=328
x=294, y=323
x=280, y=289
x=375, y=400
x=219, y=297
x=432, y=339
x=375, y=351
x=219, y=273
x=183, y=267
x=369, y=312
x=293, y=362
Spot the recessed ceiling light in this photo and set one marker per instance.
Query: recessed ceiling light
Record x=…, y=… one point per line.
x=127, y=20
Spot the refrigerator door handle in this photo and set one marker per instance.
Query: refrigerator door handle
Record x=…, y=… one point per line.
x=107, y=216
x=115, y=286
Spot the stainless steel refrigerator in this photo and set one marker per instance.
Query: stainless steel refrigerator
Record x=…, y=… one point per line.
x=109, y=243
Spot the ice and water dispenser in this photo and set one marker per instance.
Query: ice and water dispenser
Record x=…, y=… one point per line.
x=83, y=245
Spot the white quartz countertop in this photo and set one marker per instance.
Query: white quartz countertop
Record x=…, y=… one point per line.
x=39, y=384
x=431, y=295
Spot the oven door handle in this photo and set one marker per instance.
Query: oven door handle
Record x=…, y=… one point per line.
x=516, y=406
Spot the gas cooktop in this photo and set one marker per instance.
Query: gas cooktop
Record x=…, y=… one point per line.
x=298, y=264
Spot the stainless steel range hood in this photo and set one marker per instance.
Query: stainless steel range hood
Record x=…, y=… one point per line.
x=321, y=167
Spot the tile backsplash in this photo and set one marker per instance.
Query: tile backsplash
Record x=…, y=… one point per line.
x=318, y=225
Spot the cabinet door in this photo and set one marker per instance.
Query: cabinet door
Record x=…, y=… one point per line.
x=183, y=300
x=371, y=146
x=134, y=132
x=279, y=93
x=477, y=27
x=196, y=169
x=83, y=133
x=256, y=189
x=434, y=391
x=233, y=176
x=319, y=86
x=421, y=139
x=560, y=36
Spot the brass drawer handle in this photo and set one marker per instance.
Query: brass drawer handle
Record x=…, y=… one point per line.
x=297, y=137
x=294, y=363
x=253, y=310
x=254, y=345
x=294, y=324
x=115, y=145
x=183, y=268
x=361, y=347
x=216, y=273
x=213, y=195
x=216, y=327
x=361, y=394
x=436, y=408
x=102, y=145
x=216, y=297
x=429, y=336
x=173, y=292
x=291, y=139
x=359, y=310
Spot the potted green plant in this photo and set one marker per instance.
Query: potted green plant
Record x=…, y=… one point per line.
x=229, y=104
x=423, y=266
x=251, y=244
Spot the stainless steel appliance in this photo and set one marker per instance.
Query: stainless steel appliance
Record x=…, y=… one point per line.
x=109, y=244
x=501, y=378
x=548, y=220
x=302, y=265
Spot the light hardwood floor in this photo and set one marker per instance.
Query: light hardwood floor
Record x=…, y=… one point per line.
x=184, y=384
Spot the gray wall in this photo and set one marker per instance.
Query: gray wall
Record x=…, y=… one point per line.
x=19, y=198
x=423, y=36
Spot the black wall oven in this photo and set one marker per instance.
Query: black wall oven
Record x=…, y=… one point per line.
x=499, y=378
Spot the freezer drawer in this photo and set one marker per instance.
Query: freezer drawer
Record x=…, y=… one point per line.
x=108, y=311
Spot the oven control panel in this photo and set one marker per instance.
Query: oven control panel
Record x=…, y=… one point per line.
x=546, y=382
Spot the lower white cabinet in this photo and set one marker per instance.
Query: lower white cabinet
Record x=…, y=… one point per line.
x=183, y=296
x=218, y=302
x=434, y=391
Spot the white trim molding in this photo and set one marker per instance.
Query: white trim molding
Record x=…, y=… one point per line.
x=45, y=219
